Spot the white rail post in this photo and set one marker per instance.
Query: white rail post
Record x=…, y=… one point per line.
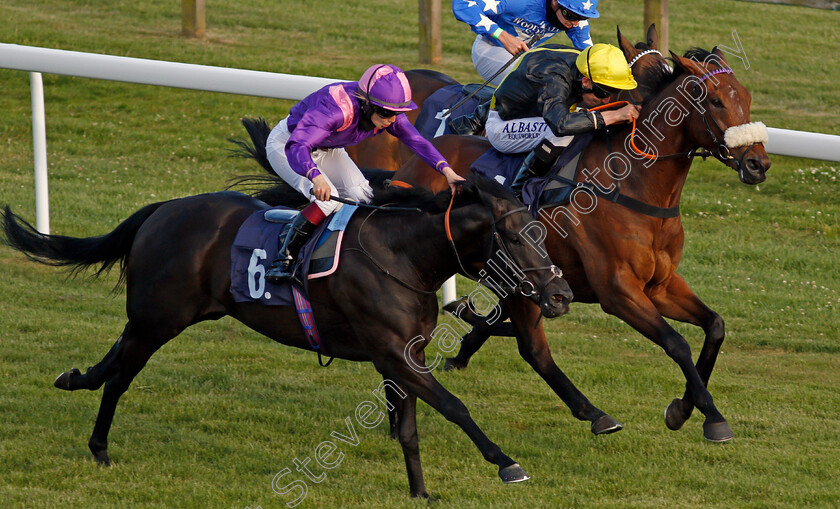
x=449, y=291
x=39, y=142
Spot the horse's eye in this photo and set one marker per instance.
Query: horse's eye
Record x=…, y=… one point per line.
x=717, y=103
x=515, y=239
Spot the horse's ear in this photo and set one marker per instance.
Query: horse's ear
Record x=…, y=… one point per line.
x=625, y=45
x=720, y=59
x=686, y=65
x=652, y=37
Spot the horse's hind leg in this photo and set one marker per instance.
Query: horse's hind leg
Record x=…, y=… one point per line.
x=134, y=350
x=678, y=302
x=96, y=375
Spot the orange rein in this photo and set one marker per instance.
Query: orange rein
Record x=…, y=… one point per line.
x=632, y=132
x=446, y=220
x=400, y=183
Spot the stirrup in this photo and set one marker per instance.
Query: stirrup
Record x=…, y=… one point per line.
x=280, y=271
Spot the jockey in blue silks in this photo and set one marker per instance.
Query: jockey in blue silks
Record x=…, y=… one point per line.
x=503, y=26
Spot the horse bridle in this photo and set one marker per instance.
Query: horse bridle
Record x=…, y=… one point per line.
x=525, y=287
x=521, y=288
x=721, y=151
x=640, y=55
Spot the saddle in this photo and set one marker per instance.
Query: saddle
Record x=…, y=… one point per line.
x=431, y=123
x=258, y=241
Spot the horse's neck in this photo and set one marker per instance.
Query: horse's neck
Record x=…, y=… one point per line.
x=662, y=124
x=425, y=256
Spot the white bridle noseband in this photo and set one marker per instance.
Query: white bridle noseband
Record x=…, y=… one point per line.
x=745, y=134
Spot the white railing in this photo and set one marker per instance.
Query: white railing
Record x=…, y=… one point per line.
x=244, y=82
x=134, y=70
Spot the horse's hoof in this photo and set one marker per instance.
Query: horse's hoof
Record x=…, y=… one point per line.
x=674, y=415
x=461, y=309
x=62, y=381
x=717, y=431
x=605, y=425
x=451, y=364
x=513, y=473
x=453, y=305
x=102, y=458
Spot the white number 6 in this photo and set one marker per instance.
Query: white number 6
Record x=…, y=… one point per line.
x=256, y=274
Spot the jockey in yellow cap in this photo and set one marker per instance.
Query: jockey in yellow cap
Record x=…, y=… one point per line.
x=545, y=100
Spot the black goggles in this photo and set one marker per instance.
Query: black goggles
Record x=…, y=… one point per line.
x=600, y=93
x=384, y=112
x=571, y=16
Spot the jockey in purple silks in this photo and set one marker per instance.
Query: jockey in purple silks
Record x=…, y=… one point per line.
x=306, y=149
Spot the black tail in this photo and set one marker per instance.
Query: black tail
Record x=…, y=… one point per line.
x=269, y=188
x=258, y=130
x=78, y=253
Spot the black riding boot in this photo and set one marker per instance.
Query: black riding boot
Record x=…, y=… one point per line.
x=536, y=164
x=299, y=232
x=472, y=123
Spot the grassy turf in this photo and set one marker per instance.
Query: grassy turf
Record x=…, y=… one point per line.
x=221, y=410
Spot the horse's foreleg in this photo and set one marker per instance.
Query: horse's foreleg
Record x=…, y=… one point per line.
x=470, y=344
x=418, y=380
x=407, y=434
x=678, y=302
x=627, y=301
x=481, y=331
x=533, y=347
x=393, y=400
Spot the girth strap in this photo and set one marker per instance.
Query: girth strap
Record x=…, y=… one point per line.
x=624, y=200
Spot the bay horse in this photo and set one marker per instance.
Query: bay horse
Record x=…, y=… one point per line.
x=379, y=306
x=626, y=260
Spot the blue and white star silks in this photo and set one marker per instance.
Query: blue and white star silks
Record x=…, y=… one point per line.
x=485, y=23
x=491, y=5
x=521, y=18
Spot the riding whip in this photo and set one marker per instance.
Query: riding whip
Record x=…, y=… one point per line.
x=533, y=40
x=368, y=206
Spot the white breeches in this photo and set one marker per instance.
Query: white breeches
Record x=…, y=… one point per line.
x=342, y=174
x=488, y=58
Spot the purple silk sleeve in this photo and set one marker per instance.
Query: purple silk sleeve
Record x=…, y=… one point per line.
x=407, y=133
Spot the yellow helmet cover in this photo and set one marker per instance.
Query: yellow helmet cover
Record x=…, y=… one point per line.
x=605, y=64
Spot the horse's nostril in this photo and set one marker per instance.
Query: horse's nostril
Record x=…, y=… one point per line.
x=753, y=165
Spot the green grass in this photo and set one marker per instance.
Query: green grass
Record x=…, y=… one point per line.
x=220, y=411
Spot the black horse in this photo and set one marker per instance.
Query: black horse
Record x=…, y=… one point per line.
x=175, y=261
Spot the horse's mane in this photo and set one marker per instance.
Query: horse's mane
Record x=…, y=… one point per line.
x=469, y=192
x=657, y=78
